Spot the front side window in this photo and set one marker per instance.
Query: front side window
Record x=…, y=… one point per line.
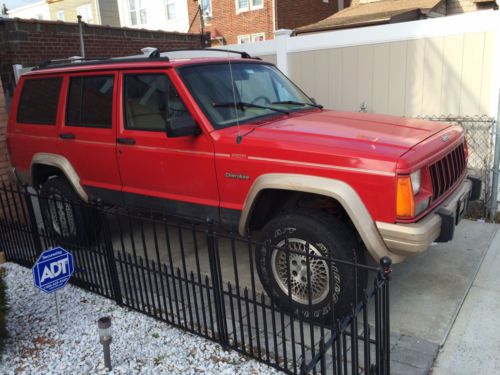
x=170, y=9
x=151, y=101
x=234, y=93
x=90, y=101
x=38, y=103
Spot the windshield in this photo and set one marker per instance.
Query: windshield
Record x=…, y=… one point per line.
x=260, y=91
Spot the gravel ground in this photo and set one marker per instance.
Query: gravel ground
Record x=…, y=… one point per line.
x=141, y=345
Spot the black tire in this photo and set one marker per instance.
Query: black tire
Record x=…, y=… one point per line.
x=67, y=218
x=326, y=236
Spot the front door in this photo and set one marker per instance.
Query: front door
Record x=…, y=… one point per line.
x=175, y=175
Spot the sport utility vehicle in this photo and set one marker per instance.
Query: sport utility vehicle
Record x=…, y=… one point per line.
x=232, y=139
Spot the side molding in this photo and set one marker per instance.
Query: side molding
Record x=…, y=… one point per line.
x=61, y=163
x=335, y=189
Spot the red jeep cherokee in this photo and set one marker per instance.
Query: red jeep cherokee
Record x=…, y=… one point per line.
x=233, y=140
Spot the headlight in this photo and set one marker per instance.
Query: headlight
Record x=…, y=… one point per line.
x=416, y=178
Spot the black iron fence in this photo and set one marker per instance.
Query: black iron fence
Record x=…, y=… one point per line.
x=205, y=280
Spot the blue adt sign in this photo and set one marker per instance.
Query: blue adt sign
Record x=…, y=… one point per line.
x=53, y=269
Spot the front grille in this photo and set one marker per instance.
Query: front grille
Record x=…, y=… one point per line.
x=445, y=172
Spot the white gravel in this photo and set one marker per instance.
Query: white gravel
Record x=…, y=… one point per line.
x=141, y=345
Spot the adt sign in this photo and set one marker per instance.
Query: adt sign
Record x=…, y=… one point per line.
x=53, y=269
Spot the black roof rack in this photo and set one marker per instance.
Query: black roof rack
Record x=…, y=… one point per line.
x=155, y=55
x=72, y=60
x=243, y=54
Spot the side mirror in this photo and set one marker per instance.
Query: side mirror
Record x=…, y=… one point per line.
x=182, y=127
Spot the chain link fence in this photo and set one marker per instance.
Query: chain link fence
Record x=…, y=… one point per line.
x=480, y=132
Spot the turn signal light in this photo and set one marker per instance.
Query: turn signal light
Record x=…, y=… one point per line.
x=405, y=205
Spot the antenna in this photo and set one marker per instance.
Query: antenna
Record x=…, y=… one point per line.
x=238, y=137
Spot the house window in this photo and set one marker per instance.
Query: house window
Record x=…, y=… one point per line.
x=206, y=8
x=170, y=9
x=258, y=37
x=243, y=39
x=60, y=15
x=86, y=12
x=246, y=5
x=326, y=1
x=137, y=12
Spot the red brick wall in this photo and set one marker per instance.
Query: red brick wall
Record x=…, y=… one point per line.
x=29, y=42
x=4, y=155
x=291, y=14
x=230, y=24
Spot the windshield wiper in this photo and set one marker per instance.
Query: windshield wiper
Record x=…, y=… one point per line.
x=298, y=103
x=243, y=105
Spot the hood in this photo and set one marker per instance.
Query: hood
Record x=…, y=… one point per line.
x=363, y=129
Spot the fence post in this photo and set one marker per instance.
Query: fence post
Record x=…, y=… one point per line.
x=215, y=273
x=496, y=166
x=281, y=36
x=35, y=234
x=110, y=257
x=384, y=276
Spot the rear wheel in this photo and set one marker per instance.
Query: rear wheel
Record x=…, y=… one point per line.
x=304, y=280
x=66, y=217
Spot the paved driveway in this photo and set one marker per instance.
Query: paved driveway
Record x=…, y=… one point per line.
x=427, y=291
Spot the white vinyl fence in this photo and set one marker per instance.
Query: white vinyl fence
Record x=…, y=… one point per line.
x=446, y=67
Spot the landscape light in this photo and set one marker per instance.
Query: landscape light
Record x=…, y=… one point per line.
x=104, y=327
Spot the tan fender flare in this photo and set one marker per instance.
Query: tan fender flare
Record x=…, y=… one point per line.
x=61, y=163
x=335, y=189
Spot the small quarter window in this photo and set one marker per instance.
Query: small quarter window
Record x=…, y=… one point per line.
x=90, y=101
x=38, y=103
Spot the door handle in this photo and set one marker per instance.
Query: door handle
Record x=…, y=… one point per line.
x=67, y=136
x=126, y=141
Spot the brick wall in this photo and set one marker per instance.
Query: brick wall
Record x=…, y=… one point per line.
x=290, y=14
x=225, y=22
x=4, y=155
x=29, y=42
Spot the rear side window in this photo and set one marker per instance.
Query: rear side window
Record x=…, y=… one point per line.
x=90, y=101
x=38, y=103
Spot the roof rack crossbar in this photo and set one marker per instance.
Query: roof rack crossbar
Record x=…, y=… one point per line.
x=74, y=60
x=243, y=54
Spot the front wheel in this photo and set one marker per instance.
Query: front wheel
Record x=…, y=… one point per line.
x=296, y=268
x=66, y=217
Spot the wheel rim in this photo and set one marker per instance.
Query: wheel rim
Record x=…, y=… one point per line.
x=61, y=216
x=297, y=269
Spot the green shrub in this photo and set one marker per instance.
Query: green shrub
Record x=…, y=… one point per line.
x=3, y=310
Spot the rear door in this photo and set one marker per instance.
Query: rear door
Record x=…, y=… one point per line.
x=173, y=174
x=88, y=134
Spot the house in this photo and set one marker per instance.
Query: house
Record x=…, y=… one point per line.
x=167, y=15
x=247, y=21
x=38, y=10
x=377, y=12
x=98, y=12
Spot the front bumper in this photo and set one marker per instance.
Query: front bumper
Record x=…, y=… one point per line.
x=411, y=239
